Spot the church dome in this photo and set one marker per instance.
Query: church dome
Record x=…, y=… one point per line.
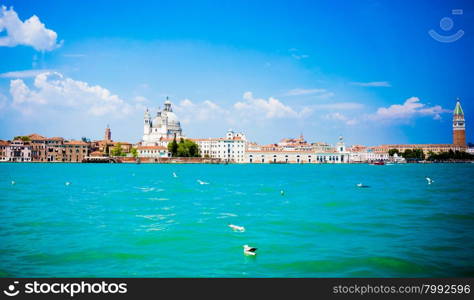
x=172, y=118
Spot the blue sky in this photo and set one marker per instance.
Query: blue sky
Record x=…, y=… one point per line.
x=368, y=70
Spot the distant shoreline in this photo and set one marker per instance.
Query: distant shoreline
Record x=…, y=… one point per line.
x=226, y=163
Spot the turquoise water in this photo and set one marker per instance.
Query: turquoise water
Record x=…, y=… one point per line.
x=122, y=220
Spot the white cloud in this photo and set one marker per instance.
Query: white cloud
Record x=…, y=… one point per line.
x=29, y=33
x=299, y=56
x=296, y=54
x=373, y=84
x=341, y=117
x=268, y=109
x=55, y=91
x=207, y=110
x=408, y=110
x=24, y=73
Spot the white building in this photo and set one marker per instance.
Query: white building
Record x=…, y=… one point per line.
x=19, y=151
x=4, y=150
x=153, y=151
x=231, y=148
x=375, y=155
x=164, y=125
x=296, y=155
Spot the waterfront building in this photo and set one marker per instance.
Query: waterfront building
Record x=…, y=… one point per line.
x=153, y=151
x=19, y=151
x=46, y=149
x=164, y=125
x=426, y=148
x=75, y=151
x=296, y=153
x=375, y=154
x=231, y=148
x=4, y=150
x=358, y=154
x=459, y=126
x=321, y=147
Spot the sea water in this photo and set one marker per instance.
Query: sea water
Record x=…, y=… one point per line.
x=129, y=220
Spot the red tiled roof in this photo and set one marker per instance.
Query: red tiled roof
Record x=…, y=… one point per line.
x=75, y=143
x=414, y=145
x=151, y=148
x=281, y=151
x=35, y=136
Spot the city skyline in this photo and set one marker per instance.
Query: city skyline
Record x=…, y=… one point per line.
x=374, y=76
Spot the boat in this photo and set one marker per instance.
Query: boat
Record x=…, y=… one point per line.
x=378, y=163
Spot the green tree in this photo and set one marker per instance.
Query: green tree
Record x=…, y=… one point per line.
x=193, y=148
x=24, y=138
x=391, y=152
x=185, y=148
x=413, y=154
x=134, y=152
x=183, y=151
x=117, y=150
x=173, y=147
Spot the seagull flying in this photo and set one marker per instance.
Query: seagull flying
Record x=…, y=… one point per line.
x=250, y=250
x=174, y=175
x=202, y=182
x=237, y=228
x=429, y=180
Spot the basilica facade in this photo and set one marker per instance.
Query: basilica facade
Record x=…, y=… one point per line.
x=165, y=125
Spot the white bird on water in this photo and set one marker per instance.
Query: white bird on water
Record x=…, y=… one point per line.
x=282, y=192
x=429, y=180
x=67, y=183
x=250, y=250
x=174, y=175
x=361, y=185
x=13, y=182
x=237, y=228
x=202, y=182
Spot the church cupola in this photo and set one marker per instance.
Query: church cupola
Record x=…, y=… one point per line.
x=167, y=105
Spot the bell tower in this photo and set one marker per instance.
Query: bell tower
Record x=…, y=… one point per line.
x=459, y=126
x=147, y=122
x=108, y=134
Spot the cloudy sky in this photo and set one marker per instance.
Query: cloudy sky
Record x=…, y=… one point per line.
x=367, y=70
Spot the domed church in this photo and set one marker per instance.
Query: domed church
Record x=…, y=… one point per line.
x=164, y=125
